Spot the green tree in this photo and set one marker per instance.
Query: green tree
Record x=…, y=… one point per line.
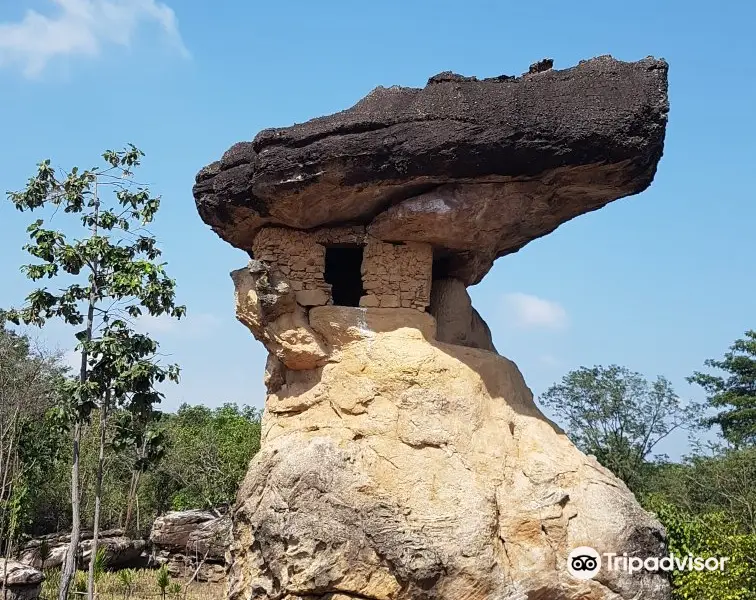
x=141, y=438
x=30, y=380
x=111, y=276
x=708, y=535
x=617, y=416
x=723, y=481
x=733, y=395
x=207, y=454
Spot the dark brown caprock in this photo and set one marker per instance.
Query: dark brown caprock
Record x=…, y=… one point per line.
x=548, y=146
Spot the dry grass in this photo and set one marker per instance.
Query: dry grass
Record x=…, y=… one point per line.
x=134, y=584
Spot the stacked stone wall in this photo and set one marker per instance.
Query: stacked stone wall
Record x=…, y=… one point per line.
x=393, y=275
x=298, y=257
x=396, y=275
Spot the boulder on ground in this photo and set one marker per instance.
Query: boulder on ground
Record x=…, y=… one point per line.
x=120, y=550
x=199, y=533
x=19, y=581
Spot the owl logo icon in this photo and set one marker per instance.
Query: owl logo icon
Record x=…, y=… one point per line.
x=584, y=563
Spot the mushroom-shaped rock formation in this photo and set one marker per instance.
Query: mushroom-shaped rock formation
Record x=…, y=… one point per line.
x=477, y=168
x=402, y=458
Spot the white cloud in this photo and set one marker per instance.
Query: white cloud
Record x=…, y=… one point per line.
x=532, y=311
x=81, y=28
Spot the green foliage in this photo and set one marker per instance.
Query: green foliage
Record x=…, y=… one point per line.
x=617, y=416
x=80, y=583
x=709, y=535
x=100, y=562
x=126, y=578
x=226, y=438
x=724, y=481
x=112, y=276
x=51, y=583
x=30, y=442
x=162, y=579
x=208, y=451
x=141, y=586
x=43, y=553
x=141, y=436
x=733, y=395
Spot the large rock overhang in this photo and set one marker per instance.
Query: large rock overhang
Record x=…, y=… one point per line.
x=477, y=168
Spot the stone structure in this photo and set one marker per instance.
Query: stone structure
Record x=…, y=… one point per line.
x=372, y=273
x=397, y=275
x=403, y=458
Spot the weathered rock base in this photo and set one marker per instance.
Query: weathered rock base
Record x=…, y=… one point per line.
x=405, y=468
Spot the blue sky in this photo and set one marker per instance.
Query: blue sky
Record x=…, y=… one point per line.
x=657, y=282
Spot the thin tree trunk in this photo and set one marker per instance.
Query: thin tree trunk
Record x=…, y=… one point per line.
x=6, y=486
x=69, y=565
x=11, y=533
x=98, y=498
x=134, y=488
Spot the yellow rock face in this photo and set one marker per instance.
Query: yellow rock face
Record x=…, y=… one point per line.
x=404, y=468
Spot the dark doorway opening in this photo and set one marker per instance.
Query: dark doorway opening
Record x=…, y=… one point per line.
x=343, y=270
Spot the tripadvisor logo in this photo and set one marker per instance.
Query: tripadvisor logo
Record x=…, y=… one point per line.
x=585, y=563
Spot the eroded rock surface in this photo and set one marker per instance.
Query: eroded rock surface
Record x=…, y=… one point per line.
x=407, y=468
x=479, y=168
x=403, y=458
x=457, y=321
x=267, y=305
x=192, y=541
x=199, y=532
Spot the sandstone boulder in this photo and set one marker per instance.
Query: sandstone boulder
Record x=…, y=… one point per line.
x=120, y=550
x=478, y=168
x=407, y=468
x=195, y=532
x=268, y=307
x=457, y=322
x=192, y=543
x=22, y=582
